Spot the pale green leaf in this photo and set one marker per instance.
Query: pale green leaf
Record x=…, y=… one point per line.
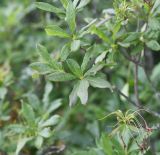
x=101, y=57
x=54, y=105
x=154, y=45
x=73, y=94
x=46, y=132
x=21, y=144
x=47, y=58
x=155, y=6
x=48, y=7
x=42, y=68
x=38, y=142
x=60, y=76
x=75, y=45
x=82, y=91
x=65, y=52
x=51, y=121
x=98, y=82
x=86, y=60
x=97, y=67
x=71, y=16
x=64, y=3
x=3, y=92
x=54, y=30
x=97, y=31
x=83, y=3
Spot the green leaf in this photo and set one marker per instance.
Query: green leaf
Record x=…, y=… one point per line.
x=155, y=6
x=65, y=52
x=64, y=3
x=86, y=60
x=51, y=121
x=154, y=23
x=101, y=57
x=38, y=142
x=3, y=92
x=97, y=31
x=28, y=113
x=90, y=152
x=54, y=30
x=98, y=82
x=73, y=94
x=75, y=45
x=47, y=58
x=21, y=144
x=132, y=36
x=43, y=53
x=154, y=45
x=47, y=91
x=74, y=67
x=82, y=91
x=83, y=3
x=106, y=144
x=48, y=7
x=60, y=76
x=71, y=16
x=42, y=68
x=54, y=105
x=46, y=132
x=97, y=67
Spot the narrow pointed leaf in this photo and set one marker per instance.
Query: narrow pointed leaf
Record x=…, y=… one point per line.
x=73, y=94
x=71, y=16
x=42, y=68
x=48, y=7
x=74, y=67
x=60, y=76
x=64, y=3
x=21, y=144
x=75, y=45
x=98, y=82
x=54, y=30
x=28, y=113
x=82, y=92
x=51, y=121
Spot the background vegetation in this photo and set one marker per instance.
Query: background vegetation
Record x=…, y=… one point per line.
x=65, y=65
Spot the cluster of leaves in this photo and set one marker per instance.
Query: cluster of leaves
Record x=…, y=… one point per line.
x=82, y=53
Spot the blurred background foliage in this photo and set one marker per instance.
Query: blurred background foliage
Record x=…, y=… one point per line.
x=21, y=28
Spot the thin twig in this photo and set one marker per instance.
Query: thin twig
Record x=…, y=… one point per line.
x=135, y=104
x=136, y=85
